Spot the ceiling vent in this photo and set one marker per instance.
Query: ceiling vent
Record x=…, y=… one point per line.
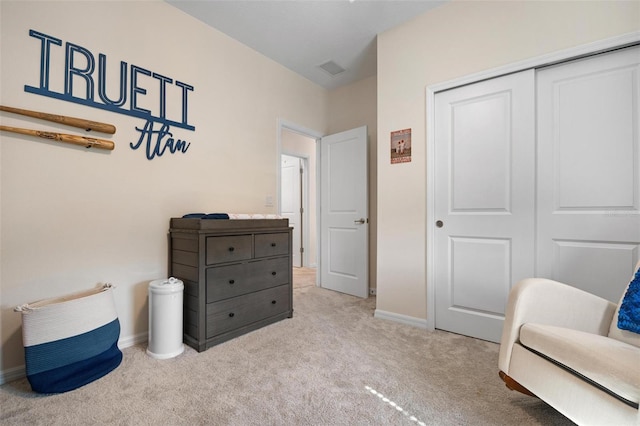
x=332, y=68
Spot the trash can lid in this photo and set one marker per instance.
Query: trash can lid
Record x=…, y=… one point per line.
x=167, y=285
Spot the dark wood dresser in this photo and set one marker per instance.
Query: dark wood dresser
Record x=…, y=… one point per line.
x=237, y=276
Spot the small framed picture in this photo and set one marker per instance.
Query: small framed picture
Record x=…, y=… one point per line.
x=401, y=146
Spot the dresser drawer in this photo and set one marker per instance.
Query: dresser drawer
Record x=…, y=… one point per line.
x=271, y=244
x=228, y=281
x=239, y=311
x=228, y=248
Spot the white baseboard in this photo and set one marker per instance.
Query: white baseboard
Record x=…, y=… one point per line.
x=16, y=373
x=11, y=374
x=133, y=340
x=403, y=319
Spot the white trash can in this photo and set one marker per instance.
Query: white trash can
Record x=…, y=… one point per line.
x=165, y=318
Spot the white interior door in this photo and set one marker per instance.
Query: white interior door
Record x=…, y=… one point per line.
x=484, y=201
x=291, y=201
x=343, y=212
x=589, y=172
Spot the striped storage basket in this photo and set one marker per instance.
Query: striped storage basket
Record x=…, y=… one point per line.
x=71, y=340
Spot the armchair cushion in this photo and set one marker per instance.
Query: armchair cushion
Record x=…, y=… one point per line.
x=543, y=301
x=590, y=356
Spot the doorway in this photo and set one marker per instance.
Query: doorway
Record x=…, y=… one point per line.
x=297, y=191
x=293, y=201
x=342, y=264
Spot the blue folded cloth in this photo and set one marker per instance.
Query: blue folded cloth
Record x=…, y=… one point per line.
x=629, y=313
x=194, y=216
x=206, y=216
x=216, y=216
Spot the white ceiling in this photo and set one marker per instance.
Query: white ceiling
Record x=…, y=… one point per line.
x=303, y=34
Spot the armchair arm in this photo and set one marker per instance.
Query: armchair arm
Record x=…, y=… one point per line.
x=550, y=302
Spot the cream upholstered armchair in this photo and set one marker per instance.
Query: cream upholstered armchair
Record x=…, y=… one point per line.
x=563, y=345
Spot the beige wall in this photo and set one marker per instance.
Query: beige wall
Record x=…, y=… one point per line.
x=71, y=217
x=451, y=41
x=355, y=106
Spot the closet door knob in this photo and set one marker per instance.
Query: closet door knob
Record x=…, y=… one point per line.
x=273, y=244
x=231, y=314
x=273, y=273
x=232, y=281
x=231, y=248
x=439, y=223
x=273, y=302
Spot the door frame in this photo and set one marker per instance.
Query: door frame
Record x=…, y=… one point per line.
x=312, y=134
x=565, y=55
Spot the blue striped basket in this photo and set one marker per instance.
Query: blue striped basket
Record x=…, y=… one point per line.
x=70, y=341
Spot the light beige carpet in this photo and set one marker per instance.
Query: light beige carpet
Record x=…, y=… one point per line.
x=331, y=364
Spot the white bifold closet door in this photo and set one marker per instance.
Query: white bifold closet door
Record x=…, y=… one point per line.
x=588, y=214
x=537, y=174
x=484, y=202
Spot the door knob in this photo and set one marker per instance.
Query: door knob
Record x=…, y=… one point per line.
x=360, y=221
x=439, y=223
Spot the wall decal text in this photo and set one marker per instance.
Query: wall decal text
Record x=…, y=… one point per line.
x=141, y=93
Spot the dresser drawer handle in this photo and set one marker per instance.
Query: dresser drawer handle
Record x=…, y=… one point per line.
x=273, y=302
x=231, y=248
x=273, y=273
x=231, y=314
x=232, y=281
x=273, y=244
